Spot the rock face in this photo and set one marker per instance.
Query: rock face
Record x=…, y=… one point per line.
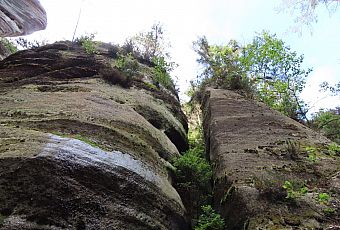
x=79, y=152
x=255, y=151
x=21, y=17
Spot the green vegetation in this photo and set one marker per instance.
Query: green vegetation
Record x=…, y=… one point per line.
x=221, y=66
x=278, y=74
x=127, y=65
x=265, y=69
x=84, y=139
x=88, y=43
x=150, y=48
x=81, y=138
x=193, y=179
x=149, y=45
x=334, y=149
x=209, y=220
x=329, y=211
x=2, y=219
x=293, y=148
x=312, y=153
x=227, y=194
x=142, y=54
x=294, y=190
x=193, y=170
x=8, y=45
x=328, y=122
x=323, y=198
x=193, y=176
x=161, y=72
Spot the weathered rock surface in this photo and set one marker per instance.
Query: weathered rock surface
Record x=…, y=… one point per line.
x=78, y=152
x=21, y=17
x=254, y=151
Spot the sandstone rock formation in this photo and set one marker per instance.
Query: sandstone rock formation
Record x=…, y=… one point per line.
x=255, y=151
x=79, y=152
x=21, y=17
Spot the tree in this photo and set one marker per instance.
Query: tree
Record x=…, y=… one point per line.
x=335, y=90
x=150, y=44
x=24, y=43
x=221, y=65
x=266, y=68
x=305, y=11
x=278, y=74
x=150, y=48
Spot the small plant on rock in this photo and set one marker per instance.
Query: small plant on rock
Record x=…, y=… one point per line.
x=127, y=65
x=334, y=149
x=294, y=191
x=329, y=211
x=293, y=149
x=8, y=44
x=88, y=43
x=312, y=153
x=323, y=198
x=161, y=72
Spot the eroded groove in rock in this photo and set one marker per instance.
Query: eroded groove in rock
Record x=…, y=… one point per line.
x=176, y=133
x=74, y=150
x=255, y=151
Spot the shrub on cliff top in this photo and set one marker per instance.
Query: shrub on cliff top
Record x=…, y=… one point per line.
x=88, y=43
x=161, y=72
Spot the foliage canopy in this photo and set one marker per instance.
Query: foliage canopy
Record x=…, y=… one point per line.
x=151, y=48
x=266, y=69
x=328, y=122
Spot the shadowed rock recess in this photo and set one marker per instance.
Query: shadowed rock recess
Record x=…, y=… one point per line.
x=79, y=152
x=255, y=151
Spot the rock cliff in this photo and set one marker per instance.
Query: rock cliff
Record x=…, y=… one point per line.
x=21, y=17
x=82, y=146
x=255, y=151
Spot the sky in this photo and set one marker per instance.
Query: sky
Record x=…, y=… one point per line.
x=219, y=20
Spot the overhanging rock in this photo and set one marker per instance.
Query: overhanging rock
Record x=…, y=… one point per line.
x=21, y=17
